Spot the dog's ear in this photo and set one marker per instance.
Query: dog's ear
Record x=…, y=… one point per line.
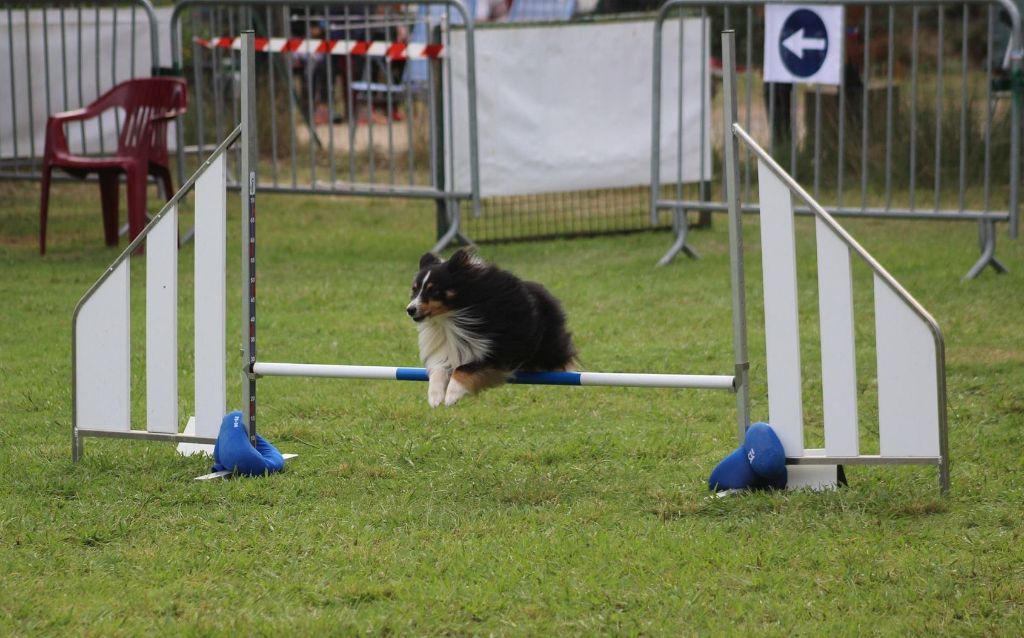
x=429, y=259
x=460, y=259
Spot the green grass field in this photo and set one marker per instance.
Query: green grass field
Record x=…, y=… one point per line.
x=526, y=510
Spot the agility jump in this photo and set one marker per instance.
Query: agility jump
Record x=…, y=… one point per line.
x=909, y=345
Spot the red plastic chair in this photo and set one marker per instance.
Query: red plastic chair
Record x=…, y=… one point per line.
x=148, y=103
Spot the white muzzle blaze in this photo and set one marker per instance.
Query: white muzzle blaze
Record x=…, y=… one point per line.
x=413, y=308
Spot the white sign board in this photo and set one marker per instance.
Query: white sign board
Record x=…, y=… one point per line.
x=568, y=107
x=803, y=43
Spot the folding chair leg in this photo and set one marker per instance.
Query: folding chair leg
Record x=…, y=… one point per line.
x=44, y=207
x=109, y=199
x=164, y=175
x=136, y=203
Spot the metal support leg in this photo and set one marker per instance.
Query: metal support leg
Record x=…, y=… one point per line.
x=681, y=227
x=76, y=446
x=452, y=235
x=987, y=242
x=704, y=217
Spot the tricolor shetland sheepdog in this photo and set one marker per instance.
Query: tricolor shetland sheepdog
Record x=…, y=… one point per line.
x=478, y=324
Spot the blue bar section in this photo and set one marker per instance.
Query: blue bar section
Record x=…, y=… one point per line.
x=411, y=374
x=522, y=378
x=546, y=378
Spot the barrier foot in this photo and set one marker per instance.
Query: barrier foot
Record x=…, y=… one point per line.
x=76, y=447
x=228, y=473
x=452, y=234
x=987, y=239
x=682, y=229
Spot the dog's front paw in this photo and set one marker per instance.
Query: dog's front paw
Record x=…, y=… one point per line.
x=435, y=395
x=455, y=392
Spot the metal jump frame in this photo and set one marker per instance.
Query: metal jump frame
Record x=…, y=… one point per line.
x=252, y=369
x=734, y=135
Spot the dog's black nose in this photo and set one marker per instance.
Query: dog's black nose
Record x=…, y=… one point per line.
x=411, y=310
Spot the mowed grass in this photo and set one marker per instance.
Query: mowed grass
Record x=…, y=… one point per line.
x=527, y=510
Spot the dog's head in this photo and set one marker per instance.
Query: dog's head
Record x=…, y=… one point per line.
x=436, y=287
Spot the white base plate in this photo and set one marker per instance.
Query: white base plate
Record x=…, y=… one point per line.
x=814, y=477
x=191, y=449
x=227, y=473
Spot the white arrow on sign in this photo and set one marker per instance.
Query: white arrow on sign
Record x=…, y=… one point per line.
x=797, y=43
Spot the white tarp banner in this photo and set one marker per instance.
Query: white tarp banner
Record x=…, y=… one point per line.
x=568, y=107
x=79, y=63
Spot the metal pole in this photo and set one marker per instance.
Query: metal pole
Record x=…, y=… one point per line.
x=99, y=90
x=888, y=108
x=31, y=108
x=197, y=70
x=865, y=114
x=1017, y=77
x=913, y=110
x=732, y=184
x=656, y=116
x=250, y=158
x=273, y=105
x=14, y=92
x=474, y=153
x=939, y=95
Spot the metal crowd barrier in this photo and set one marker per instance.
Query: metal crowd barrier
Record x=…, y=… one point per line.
x=61, y=56
x=925, y=123
x=352, y=94
x=564, y=214
x=914, y=130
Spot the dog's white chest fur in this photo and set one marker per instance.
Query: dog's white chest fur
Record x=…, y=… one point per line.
x=449, y=342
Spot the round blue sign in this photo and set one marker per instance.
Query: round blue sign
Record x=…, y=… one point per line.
x=803, y=43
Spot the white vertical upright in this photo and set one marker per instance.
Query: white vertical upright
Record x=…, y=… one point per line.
x=102, y=360
x=908, y=405
x=162, y=324
x=838, y=361
x=781, y=317
x=210, y=312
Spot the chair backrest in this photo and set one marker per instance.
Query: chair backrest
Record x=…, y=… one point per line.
x=149, y=103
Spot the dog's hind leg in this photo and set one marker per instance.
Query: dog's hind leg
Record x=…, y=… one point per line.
x=472, y=378
x=439, y=377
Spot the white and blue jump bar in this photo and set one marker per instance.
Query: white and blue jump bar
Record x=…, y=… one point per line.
x=607, y=379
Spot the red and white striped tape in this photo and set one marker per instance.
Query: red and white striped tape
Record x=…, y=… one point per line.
x=392, y=50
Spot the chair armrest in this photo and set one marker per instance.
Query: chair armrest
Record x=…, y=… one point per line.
x=55, y=138
x=56, y=122
x=170, y=115
x=106, y=101
x=72, y=116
